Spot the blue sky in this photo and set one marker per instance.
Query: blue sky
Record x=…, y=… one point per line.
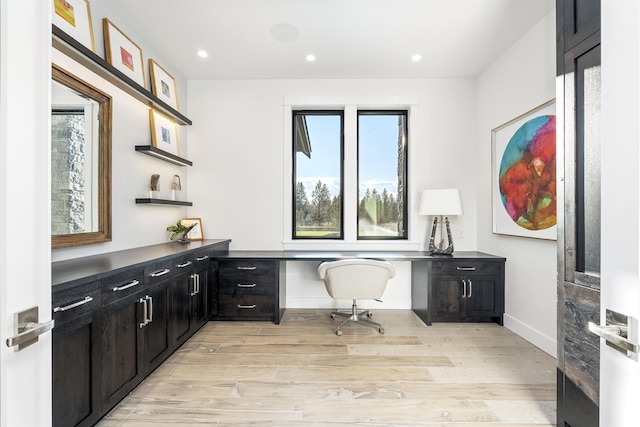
x=378, y=153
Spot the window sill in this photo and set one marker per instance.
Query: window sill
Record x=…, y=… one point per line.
x=360, y=245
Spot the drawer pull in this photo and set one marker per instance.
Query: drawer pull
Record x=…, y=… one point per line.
x=145, y=313
x=74, y=305
x=127, y=286
x=160, y=273
x=202, y=258
x=184, y=264
x=246, y=285
x=466, y=268
x=250, y=307
x=253, y=267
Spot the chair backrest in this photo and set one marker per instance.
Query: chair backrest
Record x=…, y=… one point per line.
x=356, y=278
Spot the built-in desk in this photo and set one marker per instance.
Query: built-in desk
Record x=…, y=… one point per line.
x=465, y=286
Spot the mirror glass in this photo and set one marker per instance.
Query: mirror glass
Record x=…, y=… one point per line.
x=80, y=162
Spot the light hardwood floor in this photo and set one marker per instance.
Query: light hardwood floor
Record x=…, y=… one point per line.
x=299, y=373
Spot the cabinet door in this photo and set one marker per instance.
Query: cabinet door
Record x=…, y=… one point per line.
x=200, y=298
x=482, y=298
x=76, y=371
x=121, y=346
x=156, y=332
x=447, y=302
x=181, y=290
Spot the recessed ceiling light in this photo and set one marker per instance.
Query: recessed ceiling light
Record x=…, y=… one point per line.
x=311, y=57
x=417, y=57
x=202, y=53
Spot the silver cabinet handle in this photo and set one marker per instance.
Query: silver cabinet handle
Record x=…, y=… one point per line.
x=615, y=335
x=30, y=331
x=160, y=273
x=470, y=288
x=250, y=307
x=127, y=286
x=73, y=305
x=198, y=282
x=194, y=279
x=466, y=268
x=150, y=299
x=246, y=285
x=253, y=267
x=202, y=258
x=464, y=288
x=184, y=264
x=145, y=313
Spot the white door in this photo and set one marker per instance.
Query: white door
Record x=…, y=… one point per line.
x=25, y=247
x=620, y=274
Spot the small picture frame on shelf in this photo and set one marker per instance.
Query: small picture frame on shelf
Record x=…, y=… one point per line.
x=123, y=53
x=196, y=232
x=163, y=132
x=163, y=85
x=74, y=18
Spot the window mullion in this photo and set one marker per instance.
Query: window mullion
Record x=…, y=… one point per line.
x=350, y=173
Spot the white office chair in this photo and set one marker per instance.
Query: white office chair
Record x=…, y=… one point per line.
x=356, y=279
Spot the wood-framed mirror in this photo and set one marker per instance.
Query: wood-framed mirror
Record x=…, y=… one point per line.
x=80, y=162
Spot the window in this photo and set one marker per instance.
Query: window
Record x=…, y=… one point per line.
x=317, y=172
x=374, y=171
x=382, y=174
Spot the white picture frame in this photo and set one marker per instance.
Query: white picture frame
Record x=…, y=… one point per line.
x=123, y=53
x=163, y=85
x=164, y=135
x=74, y=18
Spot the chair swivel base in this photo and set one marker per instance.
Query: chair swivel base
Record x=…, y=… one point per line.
x=355, y=316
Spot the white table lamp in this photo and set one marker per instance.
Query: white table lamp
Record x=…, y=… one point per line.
x=441, y=203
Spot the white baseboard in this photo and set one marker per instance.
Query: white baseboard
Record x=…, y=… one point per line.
x=543, y=342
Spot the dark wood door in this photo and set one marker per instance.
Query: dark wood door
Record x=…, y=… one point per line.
x=182, y=287
x=447, y=304
x=76, y=371
x=201, y=296
x=578, y=53
x=121, y=346
x=156, y=332
x=482, y=298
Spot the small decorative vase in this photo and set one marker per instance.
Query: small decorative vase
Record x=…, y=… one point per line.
x=184, y=238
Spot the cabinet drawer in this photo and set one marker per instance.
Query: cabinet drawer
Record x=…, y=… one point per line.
x=158, y=272
x=70, y=305
x=247, y=306
x=122, y=285
x=247, y=287
x=467, y=268
x=247, y=272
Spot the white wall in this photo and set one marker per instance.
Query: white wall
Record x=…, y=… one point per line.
x=132, y=225
x=238, y=176
x=521, y=79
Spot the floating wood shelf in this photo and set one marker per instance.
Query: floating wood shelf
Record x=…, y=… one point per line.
x=164, y=202
x=150, y=150
x=85, y=56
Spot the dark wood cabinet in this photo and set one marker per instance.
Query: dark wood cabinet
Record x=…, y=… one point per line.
x=248, y=289
x=458, y=289
x=118, y=317
x=76, y=345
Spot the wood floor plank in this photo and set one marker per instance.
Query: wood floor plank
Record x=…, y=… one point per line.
x=299, y=373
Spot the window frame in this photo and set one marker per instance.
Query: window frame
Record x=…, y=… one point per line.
x=319, y=112
x=405, y=174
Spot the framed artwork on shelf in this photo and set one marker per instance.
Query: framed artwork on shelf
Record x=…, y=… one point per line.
x=123, y=53
x=523, y=174
x=196, y=232
x=163, y=132
x=163, y=85
x=74, y=18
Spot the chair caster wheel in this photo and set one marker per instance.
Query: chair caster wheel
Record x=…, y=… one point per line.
x=369, y=315
x=333, y=316
x=381, y=330
x=339, y=332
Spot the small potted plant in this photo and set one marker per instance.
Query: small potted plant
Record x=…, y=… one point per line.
x=181, y=228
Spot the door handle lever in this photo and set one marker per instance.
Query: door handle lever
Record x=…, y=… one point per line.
x=28, y=329
x=617, y=332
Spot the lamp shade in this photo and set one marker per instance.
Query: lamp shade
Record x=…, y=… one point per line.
x=441, y=202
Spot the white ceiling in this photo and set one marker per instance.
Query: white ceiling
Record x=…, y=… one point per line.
x=350, y=38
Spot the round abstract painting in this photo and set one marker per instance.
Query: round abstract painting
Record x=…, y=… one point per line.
x=527, y=174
